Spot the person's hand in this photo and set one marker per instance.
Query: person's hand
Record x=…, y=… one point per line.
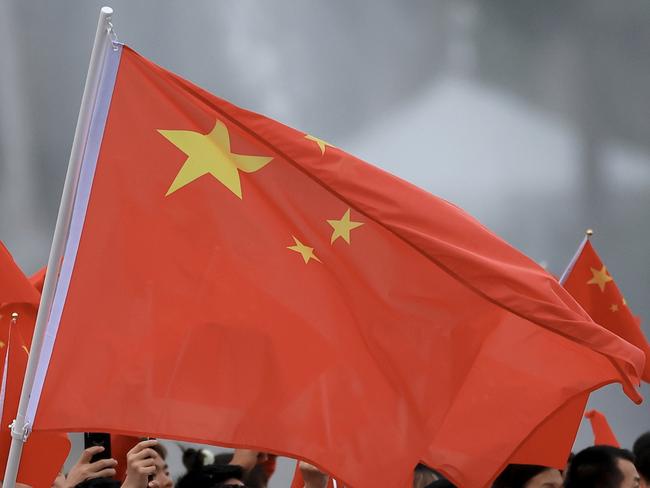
x=248, y=459
x=85, y=470
x=140, y=464
x=312, y=476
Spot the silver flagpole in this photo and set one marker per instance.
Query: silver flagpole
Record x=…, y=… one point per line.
x=20, y=429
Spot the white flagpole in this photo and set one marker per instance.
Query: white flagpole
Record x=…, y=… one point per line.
x=20, y=429
x=569, y=268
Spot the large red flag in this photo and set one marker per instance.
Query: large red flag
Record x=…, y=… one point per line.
x=590, y=283
x=230, y=280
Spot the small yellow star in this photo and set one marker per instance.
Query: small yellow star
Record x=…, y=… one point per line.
x=321, y=143
x=2, y=344
x=600, y=278
x=306, y=252
x=343, y=227
x=614, y=307
x=211, y=154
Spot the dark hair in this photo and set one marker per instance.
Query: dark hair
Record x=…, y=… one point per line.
x=517, y=475
x=161, y=450
x=596, y=467
x=423, y=475
x=195, y=459
x=641, y=451
x=255, y=478
x=210, y=476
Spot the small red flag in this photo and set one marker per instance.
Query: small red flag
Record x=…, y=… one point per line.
x=591, y=284
x=234, y=281
x=38, y=279
x=603, y=433
x=45, y=452
x=14, y=286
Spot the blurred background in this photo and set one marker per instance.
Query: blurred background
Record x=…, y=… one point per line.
x=533, y=116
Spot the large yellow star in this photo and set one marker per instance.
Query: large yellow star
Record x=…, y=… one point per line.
x=321, y=143
x=306, y=252
x=600, y=278
x=343, y=227
x=210, y=154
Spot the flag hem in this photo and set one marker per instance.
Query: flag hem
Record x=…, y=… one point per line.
x=81, y=199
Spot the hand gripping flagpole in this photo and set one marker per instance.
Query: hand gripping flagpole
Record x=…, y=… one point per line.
x=19, y=428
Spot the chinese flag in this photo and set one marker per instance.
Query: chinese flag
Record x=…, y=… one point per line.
x=230, y=280
x=603, y=433
x=45, y=453
x=590, y=283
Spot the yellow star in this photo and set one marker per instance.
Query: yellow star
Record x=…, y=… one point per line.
x=321, y=143
x=2, y=344
x=306, y=252
x=210, y=154
x=614, y=307
x=600, y=278
x=343, y=227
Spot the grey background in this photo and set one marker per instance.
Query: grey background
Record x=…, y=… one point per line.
x=533, y=116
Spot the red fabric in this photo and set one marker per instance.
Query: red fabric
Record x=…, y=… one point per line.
x=14, y=286
x=38, y=279
x=425, y=337
x=269, y=465
x=551, y=442
x=45, y=452
x=603, y=433
x=605, y=305
x=120, y=446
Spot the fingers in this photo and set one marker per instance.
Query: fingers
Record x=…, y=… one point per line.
x=144, y=467
x=102, y=464
x=143, y=445
x=87, y=454
x=104, y=473
x=143, y=454
x=305, y=466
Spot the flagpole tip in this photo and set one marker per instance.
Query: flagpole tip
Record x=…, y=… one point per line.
x=14, y=317
x=107, y=11
x=589, y=232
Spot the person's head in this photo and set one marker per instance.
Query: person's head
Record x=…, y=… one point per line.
x=423, y=475
x=162, y=470
x=602, y=467
x=212, y=476
x=528, y=476
x=641, y=451
x=161, y=450
x=258, y=477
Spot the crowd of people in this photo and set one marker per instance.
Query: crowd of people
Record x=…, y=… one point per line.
x=600, y=466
